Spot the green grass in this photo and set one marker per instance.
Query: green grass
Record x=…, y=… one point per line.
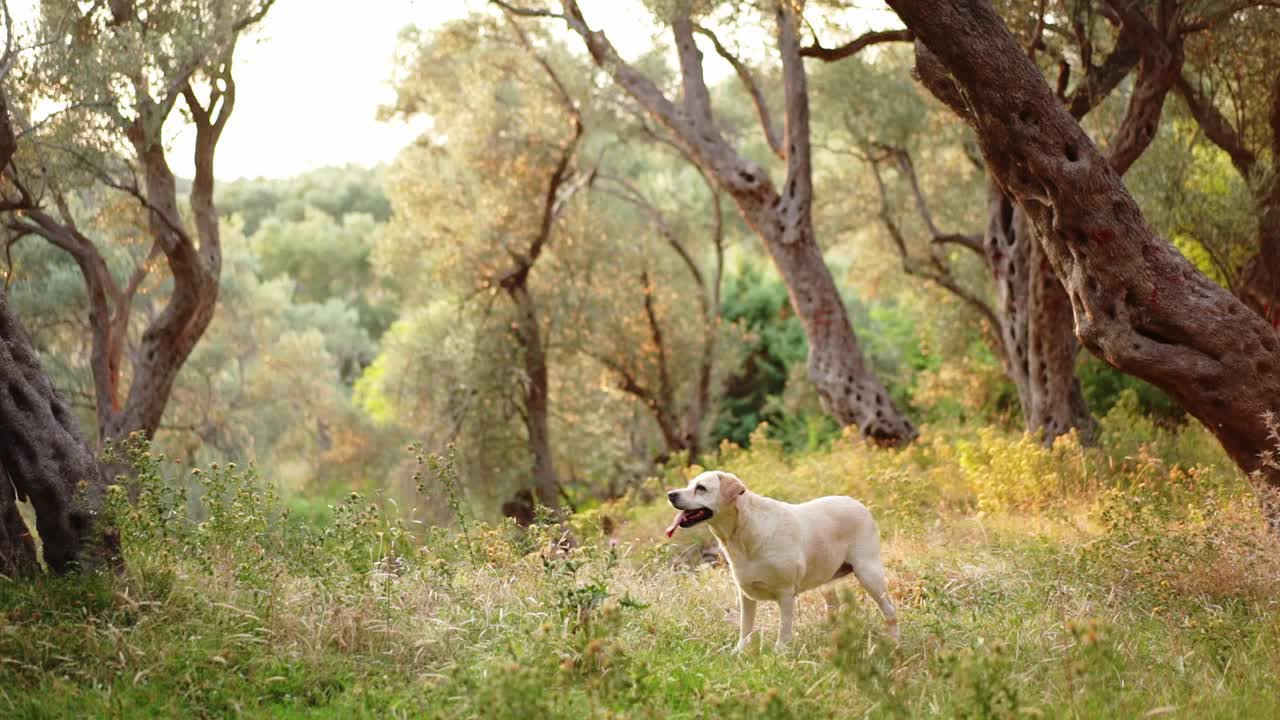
x=1031, y=583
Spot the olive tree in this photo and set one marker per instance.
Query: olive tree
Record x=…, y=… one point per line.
x=111, y=81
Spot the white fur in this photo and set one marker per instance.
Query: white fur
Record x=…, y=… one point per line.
x=777, y=550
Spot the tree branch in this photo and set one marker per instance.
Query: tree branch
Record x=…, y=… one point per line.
x=254, y=17
x=941, y=274
x=526, y=12
x=703, y=143
x=753, y=89
x=855, y=46
x=798, y=195
x=1099, y=82
x=697, y=98
x=10, y=55
x=1159, y=68
x=1216, y=127
x=655, y=334
x=631, y=194
x=552, y=198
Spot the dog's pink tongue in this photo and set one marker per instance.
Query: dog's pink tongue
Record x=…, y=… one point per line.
x=675, y=524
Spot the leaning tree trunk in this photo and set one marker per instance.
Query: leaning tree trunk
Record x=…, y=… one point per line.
x=848, y=389
x=44, y=458
x=1137, y=302
x=850, y=392
x=1034, y=314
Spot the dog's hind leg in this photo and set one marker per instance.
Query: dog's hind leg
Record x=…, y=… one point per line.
x=833, y=602
x=746, y=620
x=870, y=573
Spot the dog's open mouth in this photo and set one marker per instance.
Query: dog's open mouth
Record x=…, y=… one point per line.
x=689, y=518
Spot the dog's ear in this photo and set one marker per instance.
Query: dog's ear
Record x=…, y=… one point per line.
x=730, y=488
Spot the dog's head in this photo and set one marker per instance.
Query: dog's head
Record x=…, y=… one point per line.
x=707, y=494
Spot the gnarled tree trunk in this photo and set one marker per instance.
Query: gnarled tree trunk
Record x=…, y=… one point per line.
x=1029, y=323
x=17, y=547
x=782, y=218
x=43, y=458
x=1137, y=302
x=849, y=391
x=1034, y=314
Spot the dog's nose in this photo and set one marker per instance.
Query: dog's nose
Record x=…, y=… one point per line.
x=671, y=496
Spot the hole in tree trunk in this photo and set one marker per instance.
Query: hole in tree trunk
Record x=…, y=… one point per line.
x=1154, y=336
x=20, y=399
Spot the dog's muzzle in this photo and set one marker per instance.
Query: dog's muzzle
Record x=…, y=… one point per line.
x=688, y=517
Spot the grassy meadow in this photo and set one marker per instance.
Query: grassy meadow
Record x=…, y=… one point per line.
x=1131, y=579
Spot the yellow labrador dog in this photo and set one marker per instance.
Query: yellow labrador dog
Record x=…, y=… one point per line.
x=777, y=550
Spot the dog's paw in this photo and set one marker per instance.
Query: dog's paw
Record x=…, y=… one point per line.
x=894, y=633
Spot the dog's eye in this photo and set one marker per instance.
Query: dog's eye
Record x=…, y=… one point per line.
x=699, y=488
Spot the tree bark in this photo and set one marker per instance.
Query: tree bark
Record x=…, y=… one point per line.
x=782, y=218
x=1137, y=302
x=17, y=547
x=1034, y=315
x=536, y=394
x=44, y=458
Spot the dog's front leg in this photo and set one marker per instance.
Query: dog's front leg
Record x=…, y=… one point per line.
x=787, y=610
x=746, y=620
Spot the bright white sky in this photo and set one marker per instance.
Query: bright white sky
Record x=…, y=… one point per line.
x=309, y=85
x=310, y=80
